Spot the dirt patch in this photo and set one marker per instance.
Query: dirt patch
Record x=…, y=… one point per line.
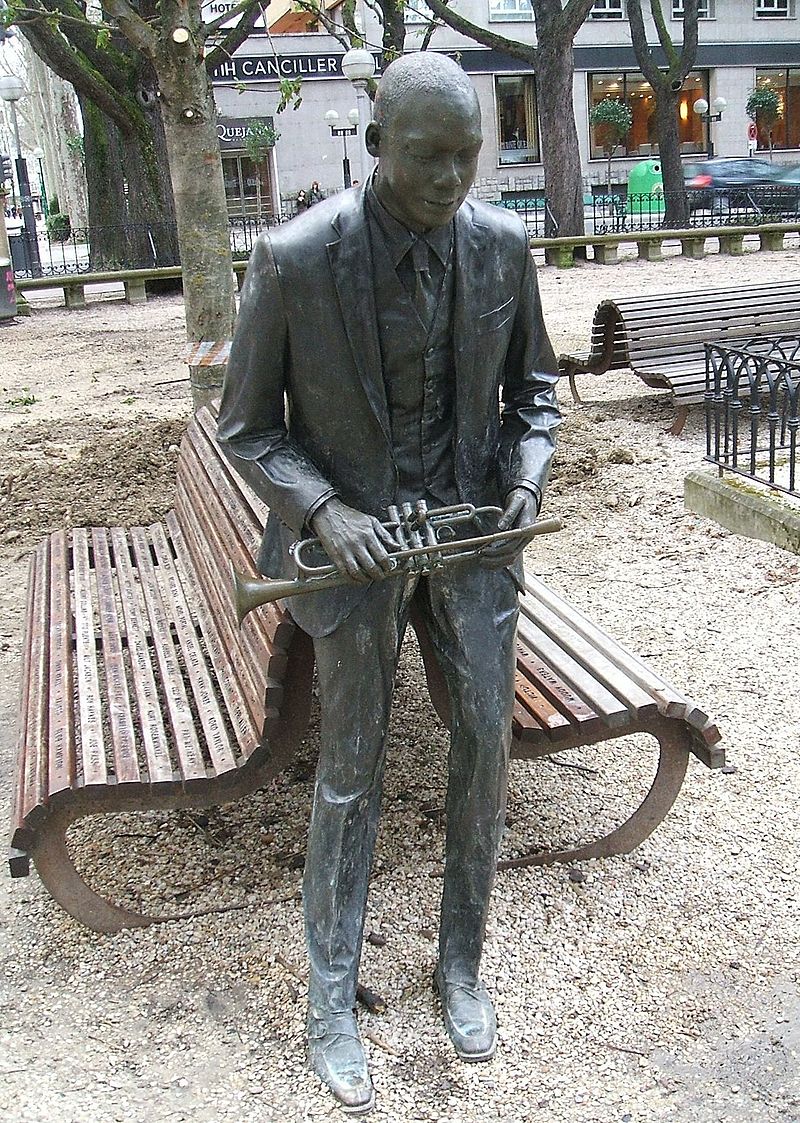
x=57, y=475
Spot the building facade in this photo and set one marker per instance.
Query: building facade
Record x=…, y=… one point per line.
x=741, y=43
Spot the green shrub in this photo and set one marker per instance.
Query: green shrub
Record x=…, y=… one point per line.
x=59, y=228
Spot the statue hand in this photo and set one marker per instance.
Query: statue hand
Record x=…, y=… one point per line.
x=521, y=509
x=356, y=543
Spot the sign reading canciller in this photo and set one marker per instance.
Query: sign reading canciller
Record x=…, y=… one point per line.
x=275, y=67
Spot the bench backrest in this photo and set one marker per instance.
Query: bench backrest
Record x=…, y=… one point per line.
x=667, y=331
x=217, y=523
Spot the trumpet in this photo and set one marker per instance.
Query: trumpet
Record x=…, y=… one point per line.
x=426, y=541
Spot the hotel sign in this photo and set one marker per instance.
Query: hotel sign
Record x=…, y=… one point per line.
x=272, y=68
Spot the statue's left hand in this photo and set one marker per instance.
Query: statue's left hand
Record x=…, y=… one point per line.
x=521, y=509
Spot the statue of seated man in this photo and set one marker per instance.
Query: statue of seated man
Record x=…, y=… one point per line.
x=390, y=347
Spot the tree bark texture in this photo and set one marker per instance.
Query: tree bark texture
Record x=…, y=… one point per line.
x=190, y=127
x=666, y=82
x=552, y=61
x=560, y=153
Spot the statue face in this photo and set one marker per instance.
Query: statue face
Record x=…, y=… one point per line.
x=427, y=156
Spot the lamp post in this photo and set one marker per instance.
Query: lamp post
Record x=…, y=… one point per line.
x=11, y=90
x=344, y=131
x=718, y=107
x=39, y=157
x=358, y=66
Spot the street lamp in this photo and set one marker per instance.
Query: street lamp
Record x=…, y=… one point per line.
x=358, y=66
x=718, y=107
x=344, y=131
x=39, y=156
x=11, y=90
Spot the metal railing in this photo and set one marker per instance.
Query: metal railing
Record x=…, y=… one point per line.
x=752, y=404
x=535, y=213
x=739, y=206
x=152, y=245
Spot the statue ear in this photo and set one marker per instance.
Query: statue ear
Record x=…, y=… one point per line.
x=372, y=139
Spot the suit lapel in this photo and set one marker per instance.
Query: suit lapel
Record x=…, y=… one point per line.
x=351, y=265
x=472, y=298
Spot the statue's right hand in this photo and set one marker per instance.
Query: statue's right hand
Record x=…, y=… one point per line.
x=356, y=543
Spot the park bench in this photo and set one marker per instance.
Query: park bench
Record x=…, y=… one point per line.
x=134, y=281
x=650, y=244
x=661, y=336
x=140, y=691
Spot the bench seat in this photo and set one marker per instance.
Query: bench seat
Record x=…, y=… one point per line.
x=141, y=692
x=661, y=336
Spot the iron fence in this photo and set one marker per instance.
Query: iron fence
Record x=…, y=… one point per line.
x=752, y=404
x=741, y=206
x=535, y=213
x=152, y=245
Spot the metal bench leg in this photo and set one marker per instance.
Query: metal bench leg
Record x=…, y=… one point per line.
x=672, y=763
x=57, y=870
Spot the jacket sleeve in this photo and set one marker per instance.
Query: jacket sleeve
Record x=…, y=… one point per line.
x=530, y=414
x=252, y=430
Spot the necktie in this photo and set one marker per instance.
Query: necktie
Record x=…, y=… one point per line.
x=424, y=294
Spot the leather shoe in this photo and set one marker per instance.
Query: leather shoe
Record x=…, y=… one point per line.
x=336, y=1055
x=469, y=1018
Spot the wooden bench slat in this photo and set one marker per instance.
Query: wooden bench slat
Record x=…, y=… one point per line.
x=545, y=680
x=223, y=495
x=588, y=655
x=181, y=719
x=31, y=769
x=61, y=722
x=251, y=646
x=207, y=425
x=93, y=750
x=670, y=701
x=612, y=709
x=154, y=734
x=208, y=708
x=210, y=518
x=123, y=737
x=246, y=718
x=539, y=713
x=266, y=640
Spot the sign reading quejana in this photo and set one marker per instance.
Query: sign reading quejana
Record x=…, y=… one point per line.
x=266, y=68
x=232, y=131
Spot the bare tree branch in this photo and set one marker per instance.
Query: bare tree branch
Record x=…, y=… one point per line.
x=237, y=35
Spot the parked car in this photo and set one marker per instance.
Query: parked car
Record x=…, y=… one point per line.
x=741, y=182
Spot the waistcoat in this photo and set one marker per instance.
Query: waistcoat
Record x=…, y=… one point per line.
x=419, y=376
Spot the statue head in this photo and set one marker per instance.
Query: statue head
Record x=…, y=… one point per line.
x=427, y=136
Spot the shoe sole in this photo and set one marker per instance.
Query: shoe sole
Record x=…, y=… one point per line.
x=358, y=1109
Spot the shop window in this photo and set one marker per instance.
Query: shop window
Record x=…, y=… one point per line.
x=606, y=9
x=510, y=11
x=247, y=186
x=705, y=9
x=786, y=130
x=642, y=140
x=774, y=9
x=518, y=132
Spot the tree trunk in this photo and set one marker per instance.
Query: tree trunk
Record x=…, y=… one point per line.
x=131, y=211
x=676, y=211
x=560, y=153
x=190, y=119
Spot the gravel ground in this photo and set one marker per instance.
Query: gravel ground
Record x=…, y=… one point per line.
x=658, y=986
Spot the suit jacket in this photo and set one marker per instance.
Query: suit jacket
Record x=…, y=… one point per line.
x=304, y=412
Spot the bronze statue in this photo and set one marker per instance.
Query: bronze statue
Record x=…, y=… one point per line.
x=390, y=347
